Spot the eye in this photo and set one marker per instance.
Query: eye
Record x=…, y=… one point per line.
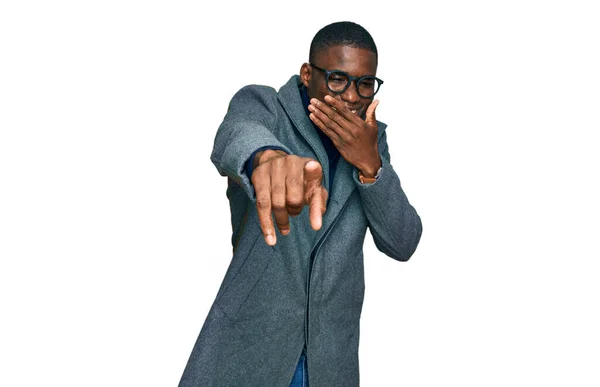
x=338, y=78
x=368, y=83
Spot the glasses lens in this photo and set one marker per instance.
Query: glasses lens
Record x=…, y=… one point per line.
x=368, y=86
x=337, y=81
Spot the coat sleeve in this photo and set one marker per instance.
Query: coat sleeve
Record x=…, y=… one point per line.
x=393, y=221
x=248, y=126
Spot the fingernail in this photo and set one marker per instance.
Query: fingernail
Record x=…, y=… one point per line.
x=317, y=225
x=271, y=240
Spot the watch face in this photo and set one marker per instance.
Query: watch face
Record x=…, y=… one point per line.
x=364, y=179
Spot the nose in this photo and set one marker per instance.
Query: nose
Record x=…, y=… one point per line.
x=351, y=94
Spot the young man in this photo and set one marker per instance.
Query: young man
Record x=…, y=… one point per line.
x=309, y=172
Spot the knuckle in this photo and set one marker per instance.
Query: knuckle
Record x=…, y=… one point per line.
x=292, y=159
x=283, y=224
x=278, y=203
x=282, y=220
x=266, y=225
x=266, y=231
x=308, y=195
x=263, y=203
x=294, y=211
x=276, y=160
x=294, y=182
x=295, y=202
x=258, y=176
x=278, y=188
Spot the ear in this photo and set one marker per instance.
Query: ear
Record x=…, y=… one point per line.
x=305, y=74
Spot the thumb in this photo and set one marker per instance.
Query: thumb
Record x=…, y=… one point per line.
x=370, y=115
x=313, y=173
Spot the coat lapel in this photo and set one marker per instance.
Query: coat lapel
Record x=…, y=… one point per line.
x=289, y=95
x=343, y=183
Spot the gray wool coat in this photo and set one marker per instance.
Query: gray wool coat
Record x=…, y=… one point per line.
x=308, y=289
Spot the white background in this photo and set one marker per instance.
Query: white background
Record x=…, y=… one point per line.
x=114, y=225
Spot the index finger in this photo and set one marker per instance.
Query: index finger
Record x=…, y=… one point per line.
x=314, y=193
x=317, y=209
x=262, y=188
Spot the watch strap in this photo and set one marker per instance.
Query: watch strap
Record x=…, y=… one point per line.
x=369, y=180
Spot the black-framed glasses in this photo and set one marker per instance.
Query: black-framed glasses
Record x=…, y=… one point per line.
x=338, y=81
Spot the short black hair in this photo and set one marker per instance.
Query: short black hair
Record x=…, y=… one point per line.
x=343, y=33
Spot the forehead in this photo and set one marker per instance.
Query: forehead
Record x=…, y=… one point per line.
x=354, y=61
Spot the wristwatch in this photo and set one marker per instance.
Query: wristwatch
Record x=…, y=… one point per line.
x=369, y=180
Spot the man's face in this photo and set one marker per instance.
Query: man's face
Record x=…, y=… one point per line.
x=356, y=62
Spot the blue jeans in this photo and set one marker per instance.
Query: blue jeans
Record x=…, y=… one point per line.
x=300, y=378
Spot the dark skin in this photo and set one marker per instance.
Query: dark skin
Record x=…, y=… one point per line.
x=284, y=183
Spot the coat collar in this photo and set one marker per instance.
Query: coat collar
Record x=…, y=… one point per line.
x=289, y=96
